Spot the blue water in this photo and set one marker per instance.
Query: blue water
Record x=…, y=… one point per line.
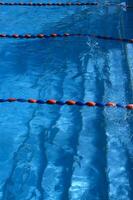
x=66, y=153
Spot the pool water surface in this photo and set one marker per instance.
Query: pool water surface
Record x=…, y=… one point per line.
x=52, y=152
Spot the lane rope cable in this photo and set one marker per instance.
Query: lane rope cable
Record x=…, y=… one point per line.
x=55, y=35
x=69, y=102
x=122, y=5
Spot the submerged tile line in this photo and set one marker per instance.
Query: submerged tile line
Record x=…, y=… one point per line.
x=68, y=102
x=64, y=35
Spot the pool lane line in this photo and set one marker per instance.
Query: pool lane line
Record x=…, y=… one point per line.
x=48, y=4
x=64, y=35
x=69, y=103
x=68, y=4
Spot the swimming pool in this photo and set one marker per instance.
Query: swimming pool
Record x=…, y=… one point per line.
x=51, y=152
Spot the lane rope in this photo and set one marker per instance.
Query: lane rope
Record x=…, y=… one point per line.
x=48, y=4
x=123, y=4
x=68, y=102
x=55, y=35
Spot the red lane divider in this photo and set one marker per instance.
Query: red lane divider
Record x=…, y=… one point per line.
x=55, y=35
x=69, y=102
